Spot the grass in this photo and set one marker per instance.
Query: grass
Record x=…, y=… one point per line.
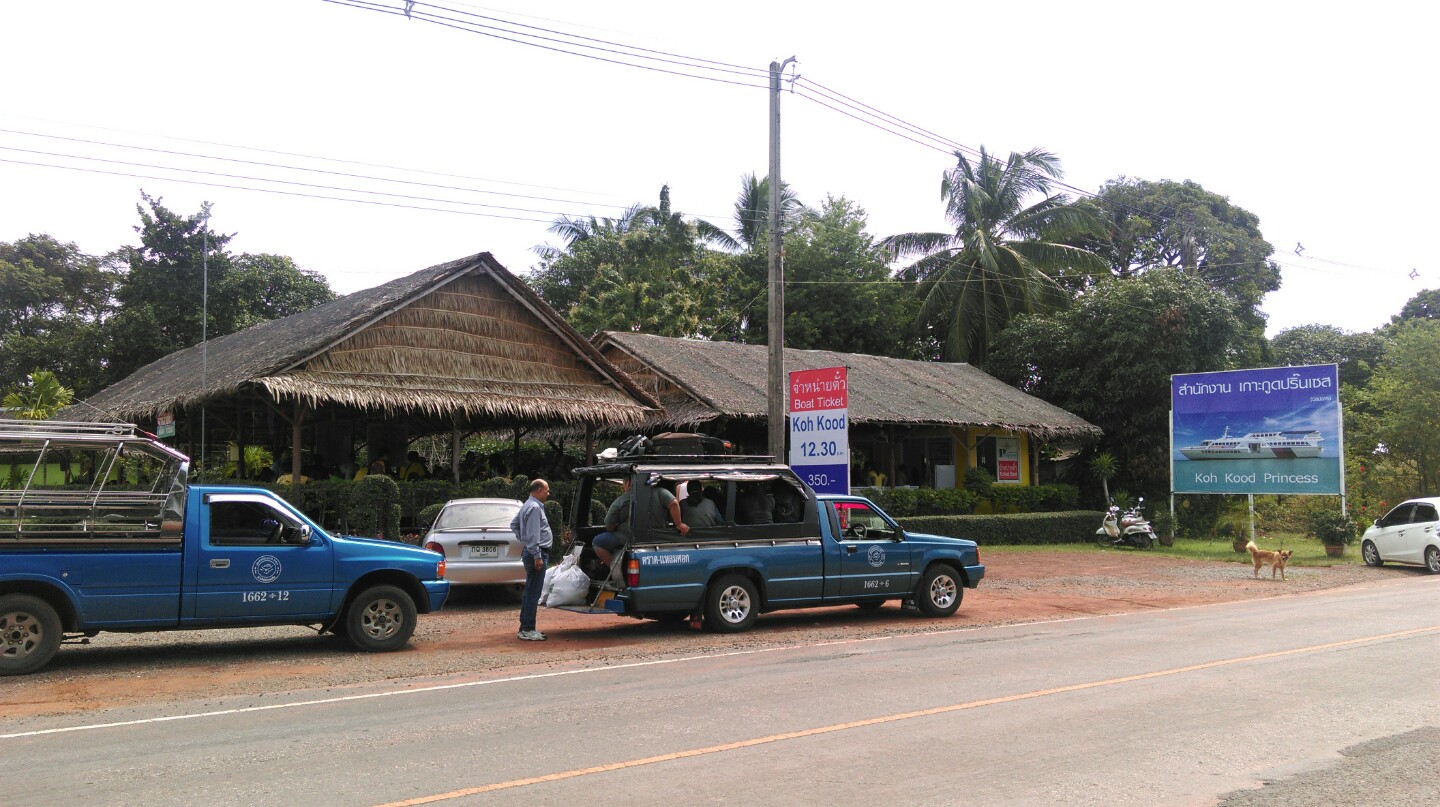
x=1308, y=551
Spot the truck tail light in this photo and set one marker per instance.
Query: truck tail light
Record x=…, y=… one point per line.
x=632, y=573
x=440, y=570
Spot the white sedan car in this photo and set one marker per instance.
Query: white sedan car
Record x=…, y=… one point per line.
x=475, y=538
x=1410, y=533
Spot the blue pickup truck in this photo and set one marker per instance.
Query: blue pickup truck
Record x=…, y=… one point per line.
x=100, y=532
x=774, y=545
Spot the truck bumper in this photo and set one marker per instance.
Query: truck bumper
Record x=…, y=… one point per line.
x=973, y=575
x=437, y=590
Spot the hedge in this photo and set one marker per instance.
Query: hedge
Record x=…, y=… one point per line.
x=1075, y=526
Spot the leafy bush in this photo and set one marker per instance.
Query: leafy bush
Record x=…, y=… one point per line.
x=1331, y=526
x=428, y=514
x=375, y=507
x=1035, y=498
x=1075, y=526
x=979, y=481
x=899, y=502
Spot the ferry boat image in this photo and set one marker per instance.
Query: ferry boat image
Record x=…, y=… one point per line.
x=1282, y=445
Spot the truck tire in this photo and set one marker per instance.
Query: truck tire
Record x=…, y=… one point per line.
x=29, y=634
x=380, y=619
x=731, y=604
x=939, y=592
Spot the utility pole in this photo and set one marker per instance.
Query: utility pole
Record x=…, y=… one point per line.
x=205, y=341
x=777, y=399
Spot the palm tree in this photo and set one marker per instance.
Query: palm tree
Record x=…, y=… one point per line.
x=1002, y=258
x=671, y=222
x=40, y=399
x=752, y=210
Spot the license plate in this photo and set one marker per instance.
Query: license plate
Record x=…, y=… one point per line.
x=491, y=552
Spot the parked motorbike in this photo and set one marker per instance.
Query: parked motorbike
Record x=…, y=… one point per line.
x=1128, y=529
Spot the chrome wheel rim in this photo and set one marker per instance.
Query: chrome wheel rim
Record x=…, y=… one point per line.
x=734, y=604
x=942, y=591
x=381, y=619
x=20, y=634
x=1371, y=553
x=1432, y=559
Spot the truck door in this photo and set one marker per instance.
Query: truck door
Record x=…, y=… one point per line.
x=874, y=558
x=259, y=562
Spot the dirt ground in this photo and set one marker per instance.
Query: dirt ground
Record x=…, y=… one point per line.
x=474, y=636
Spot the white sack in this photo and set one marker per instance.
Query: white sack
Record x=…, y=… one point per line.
x=560, y=583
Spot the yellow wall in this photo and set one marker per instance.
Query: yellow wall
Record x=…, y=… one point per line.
x=965, y=440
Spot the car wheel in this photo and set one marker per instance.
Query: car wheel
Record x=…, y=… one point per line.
x=1371, y=554
x=29, y=634
x=380, y=619
x=870, y=605
x=939, y=591
x=731, y=604
x=1432, y=559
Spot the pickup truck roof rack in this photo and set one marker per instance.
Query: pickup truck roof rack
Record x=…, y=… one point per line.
x=42, y=503
x=628, y=463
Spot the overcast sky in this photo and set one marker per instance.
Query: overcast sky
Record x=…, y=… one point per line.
x=1315, y=116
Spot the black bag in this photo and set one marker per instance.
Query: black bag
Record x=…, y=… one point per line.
x=689, y=444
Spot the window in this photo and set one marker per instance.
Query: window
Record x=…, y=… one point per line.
x=247, y=523
x=477, y=514
x=1424, y=513
x=860, y=522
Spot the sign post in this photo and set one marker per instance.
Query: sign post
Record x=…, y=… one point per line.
x=820, y=428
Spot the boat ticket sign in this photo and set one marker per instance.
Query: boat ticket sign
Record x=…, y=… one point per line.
x=820, y=428
x=1271, y=430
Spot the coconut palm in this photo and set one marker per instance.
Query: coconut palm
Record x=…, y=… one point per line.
x=1003, y=257
x=752, y=210
x=40, y=399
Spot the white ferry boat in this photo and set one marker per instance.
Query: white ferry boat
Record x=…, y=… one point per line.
x=1283, y=445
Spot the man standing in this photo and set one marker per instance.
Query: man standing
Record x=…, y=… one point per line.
x=533, y=530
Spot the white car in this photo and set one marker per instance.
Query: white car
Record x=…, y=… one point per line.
x=475, y=538
x=1410, y=533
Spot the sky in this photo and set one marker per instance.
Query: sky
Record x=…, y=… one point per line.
x=1315, y=116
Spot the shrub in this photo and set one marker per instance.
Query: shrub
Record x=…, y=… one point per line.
x=428, y=514
x=375, y=507
x=1331, y=526
x=900, y=502
x=1075, y=526
x=979, y=481
x=1035, y=498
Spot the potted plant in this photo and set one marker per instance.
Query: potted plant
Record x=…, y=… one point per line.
x=1334, y=528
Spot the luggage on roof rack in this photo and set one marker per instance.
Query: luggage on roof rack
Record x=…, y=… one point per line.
x=675, y=444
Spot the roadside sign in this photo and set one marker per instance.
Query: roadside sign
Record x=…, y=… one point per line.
x=165, y=425
x=1271, y=430
x=819, y=428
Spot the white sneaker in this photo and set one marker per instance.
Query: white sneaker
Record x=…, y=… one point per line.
x=530, y=636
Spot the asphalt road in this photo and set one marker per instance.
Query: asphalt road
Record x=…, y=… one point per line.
x=1323, y=698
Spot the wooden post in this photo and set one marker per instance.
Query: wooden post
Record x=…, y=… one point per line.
x=454, y=452
x=295, y=443
x=589, y=443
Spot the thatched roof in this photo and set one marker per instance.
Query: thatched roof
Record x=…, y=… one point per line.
x=464, y=338
x=698, y=381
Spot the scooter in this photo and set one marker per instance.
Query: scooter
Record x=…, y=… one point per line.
x=1130, y=529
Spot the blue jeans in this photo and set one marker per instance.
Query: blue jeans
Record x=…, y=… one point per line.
x=530, y=599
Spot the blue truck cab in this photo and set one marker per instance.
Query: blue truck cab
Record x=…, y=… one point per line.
x=100, y=532
x=777, y=545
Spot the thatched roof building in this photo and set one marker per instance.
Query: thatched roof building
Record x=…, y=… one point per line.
x=698, y=381
x=461, y=343
x=918, y=423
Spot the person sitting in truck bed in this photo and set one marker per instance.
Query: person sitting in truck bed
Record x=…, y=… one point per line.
x=699, y=510
x=617, y=521
x=753, y=505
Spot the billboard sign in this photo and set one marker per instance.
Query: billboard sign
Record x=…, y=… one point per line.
x=1272, y=430
x=165, y=425
x=820, y=428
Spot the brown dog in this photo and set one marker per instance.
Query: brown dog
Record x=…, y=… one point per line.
x=1277, y=560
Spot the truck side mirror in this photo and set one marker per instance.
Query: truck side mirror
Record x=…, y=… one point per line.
x=301, y=535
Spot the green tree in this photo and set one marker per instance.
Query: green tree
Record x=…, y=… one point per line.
x=1395, y=420
x=161, y=293
x=40, y=399
x=752, y=212
x=1002, y=258
x=1355, y=353
x=1180, y=225
x=1425, y=305
x=1109, y=359
x=839, y=293
x=650, y=272
x=54, y=303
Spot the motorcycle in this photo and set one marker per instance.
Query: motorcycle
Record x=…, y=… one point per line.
x=1129, y=529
